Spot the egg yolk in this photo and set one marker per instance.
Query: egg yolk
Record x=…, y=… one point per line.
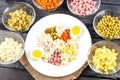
x=37, y=54
x=76, y=30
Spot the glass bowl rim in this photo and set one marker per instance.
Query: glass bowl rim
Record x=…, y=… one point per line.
x=33, y=19
x=23, y=47
x=82, y=16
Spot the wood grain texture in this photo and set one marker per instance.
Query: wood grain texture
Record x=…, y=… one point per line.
x=39, y=76
x=17, y=71
x=14, y=74
x=111, y=2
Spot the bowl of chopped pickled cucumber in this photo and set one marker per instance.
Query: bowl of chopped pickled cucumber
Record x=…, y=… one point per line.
x=11, y=47
x=19, y=16
x=107, y=24
x=104, y=57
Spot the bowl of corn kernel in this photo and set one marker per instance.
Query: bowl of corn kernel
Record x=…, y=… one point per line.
x=104, y=57
x=107, y=24
x=18, y=17
x=11, y=47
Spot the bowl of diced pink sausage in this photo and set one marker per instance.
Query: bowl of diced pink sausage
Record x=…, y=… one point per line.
x=83, y=8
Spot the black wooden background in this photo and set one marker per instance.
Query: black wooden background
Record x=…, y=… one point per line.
x=17, y=72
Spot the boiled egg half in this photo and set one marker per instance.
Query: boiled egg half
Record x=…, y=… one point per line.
x=75, y=31
x=37, y=53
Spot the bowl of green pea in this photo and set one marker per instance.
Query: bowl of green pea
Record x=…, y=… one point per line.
x=107, y=24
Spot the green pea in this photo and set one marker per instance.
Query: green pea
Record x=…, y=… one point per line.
x=109, y=26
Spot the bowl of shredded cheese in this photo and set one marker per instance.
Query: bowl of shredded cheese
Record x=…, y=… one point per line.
x=104, y=57
x=11, y=47
x=19, y=16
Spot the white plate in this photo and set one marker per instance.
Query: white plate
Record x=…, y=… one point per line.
x=49, y=69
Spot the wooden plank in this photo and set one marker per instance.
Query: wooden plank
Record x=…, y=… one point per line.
x=90, y=73
x=117, y=75
x=16, y=65
x=111, y=2
x=3, y=5
x=12, y=74
x=91, y=78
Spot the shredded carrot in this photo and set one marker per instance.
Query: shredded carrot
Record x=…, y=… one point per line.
x=48, y=4
x=66, y=35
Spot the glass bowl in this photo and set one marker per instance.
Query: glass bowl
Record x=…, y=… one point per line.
x=99, y=16
x=42, y=8
x=110, y=45
x=12, y=8
x=9, y=45
x=80, y=10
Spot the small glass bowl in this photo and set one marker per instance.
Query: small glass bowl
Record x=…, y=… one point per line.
x=16, y=37
x=97, y=6
x=100, y=44
x=18, y=5
x=99, y=16
x=41, y=8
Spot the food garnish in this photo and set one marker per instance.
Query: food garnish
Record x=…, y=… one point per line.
x=37, y=54
x=76, y=30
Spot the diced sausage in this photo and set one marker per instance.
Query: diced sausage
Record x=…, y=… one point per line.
x=83, y=7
